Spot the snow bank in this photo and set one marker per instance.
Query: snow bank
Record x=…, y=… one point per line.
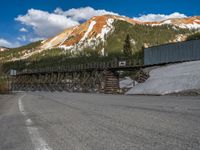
x=126, y=83
x=170, y=79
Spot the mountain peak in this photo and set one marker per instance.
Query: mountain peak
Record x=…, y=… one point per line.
x=88, y=33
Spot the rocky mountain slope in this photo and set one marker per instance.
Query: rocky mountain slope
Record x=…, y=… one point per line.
x=190, y=23
x=97, y=29
x=88, y=34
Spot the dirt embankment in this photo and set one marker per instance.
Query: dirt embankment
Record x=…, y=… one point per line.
x=4, y=85
x=4, y=82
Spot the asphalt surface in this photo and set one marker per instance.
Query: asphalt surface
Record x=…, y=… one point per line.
x=72, y=121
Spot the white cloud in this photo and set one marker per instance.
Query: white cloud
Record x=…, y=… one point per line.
x=23, y=30
x=83, y=13
x=6, y=43
x=159, y=17
x=47, y=24
x=22, y=38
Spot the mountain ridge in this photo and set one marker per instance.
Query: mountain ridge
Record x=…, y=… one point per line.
x=96, y=28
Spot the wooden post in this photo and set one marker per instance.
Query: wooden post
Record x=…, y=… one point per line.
x=111, y=82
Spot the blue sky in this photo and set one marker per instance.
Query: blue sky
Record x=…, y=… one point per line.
x=23, y=21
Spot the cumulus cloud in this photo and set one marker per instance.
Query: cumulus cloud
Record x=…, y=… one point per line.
x=6, y=43
x=46, y=24
x=83, y=13
x=159, y=17
x=23, y=30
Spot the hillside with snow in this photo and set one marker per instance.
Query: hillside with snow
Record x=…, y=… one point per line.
x=185, y=23
x=88, y=34
x=97, y=29
x=170, y=79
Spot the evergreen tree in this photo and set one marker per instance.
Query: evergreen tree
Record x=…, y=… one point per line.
x=127, y=46
x=195, y=36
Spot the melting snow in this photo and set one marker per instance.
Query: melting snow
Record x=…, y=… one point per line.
x=190, y=26
x=106, y=29
x=67, y=36
x=179, y=77
x=50, y=43
x=88, y=30
x=167, y=22
x=103, y=52
x=194, y=25
x=92, y=42
x=66, y=47
x=126, y=83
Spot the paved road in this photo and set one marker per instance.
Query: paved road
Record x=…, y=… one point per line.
x=71, y=121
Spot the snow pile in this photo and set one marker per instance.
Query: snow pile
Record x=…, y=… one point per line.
x=126, y=83
x=170, y=79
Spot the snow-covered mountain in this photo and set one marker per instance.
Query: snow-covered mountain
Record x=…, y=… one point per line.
x=186, y=23
x=87, y=34
x=97, y=29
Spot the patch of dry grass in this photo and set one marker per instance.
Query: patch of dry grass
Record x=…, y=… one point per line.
x=4, y=87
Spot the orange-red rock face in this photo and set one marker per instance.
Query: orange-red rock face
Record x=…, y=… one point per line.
x=98, y=26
